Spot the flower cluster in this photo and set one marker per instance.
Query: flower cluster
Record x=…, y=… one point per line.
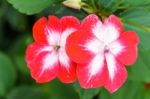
x=94, y=52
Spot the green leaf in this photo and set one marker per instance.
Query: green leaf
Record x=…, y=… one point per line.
x=138, y=15
x=145, y=54
x=26, y=92
x=134, y=3
x=86, y=93
x=140, y=71
x=57, y=90
x=13, y=17
x=7, y=74
x=32, y=6
x=89, y=2
x=147, y=94
x=130, y=90
x=137, y=19
x=109, y=5
x=102, y=8
x=142, y=32
x=18, y=54
x=62, y=11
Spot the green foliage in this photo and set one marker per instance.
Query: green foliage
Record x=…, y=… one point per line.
x=140, y=71
x=130, y=90
x=7, y=74
x=26, y=92
x=147, y=95
x=126, y=4
x=109, y=5
x=86, y=93
x=137, y=19
x=138, y=15
x=56, y=89
x=31, y=6
x=18, y=54
x=65, y=11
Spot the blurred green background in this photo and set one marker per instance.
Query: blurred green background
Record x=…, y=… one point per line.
x=16, y=20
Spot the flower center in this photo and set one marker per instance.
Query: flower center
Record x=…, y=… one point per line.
x=56, y=47
x=106, y=49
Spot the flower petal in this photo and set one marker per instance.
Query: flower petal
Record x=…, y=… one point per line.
x=54, y=23
x=129, y=38
x=42, y=62
x=65, y=35
x=108, y=31
x=114, y=21
x=76, y=47
x=47, y=31
x=69, y=25
x=53, y=30
x=128, y=42
x=45, y=67
x=68, y=22
x=34, y=50
x=93, y=74
x=117, y=73
x=67, y=74
x=67, y=70
x=39, y=30
x=89, y=22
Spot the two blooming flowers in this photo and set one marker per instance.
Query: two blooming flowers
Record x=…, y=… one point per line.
x=94, y=52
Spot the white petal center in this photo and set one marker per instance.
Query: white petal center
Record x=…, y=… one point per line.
x=111, y=64
x=53, y=36
x=116, y=47
x=96, y=64
x=105, y=32
x=95, y=46
x=50, y=60
x=65, y=34
x=63, y=57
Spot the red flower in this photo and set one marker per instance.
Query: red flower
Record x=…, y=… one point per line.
x=102, y=50
x=46, y=57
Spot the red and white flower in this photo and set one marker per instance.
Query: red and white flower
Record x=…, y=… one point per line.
x=101, y=50
x=46, y=57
